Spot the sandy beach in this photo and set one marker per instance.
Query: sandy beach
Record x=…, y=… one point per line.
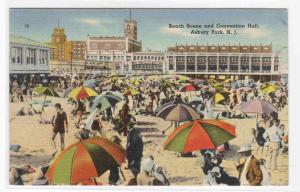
x=36, y=148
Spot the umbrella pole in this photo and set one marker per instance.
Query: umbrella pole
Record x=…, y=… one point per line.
x=44, y=103
x=95, y=181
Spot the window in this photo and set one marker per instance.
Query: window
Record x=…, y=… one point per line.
x=16, y=55
x=30, y=56
x=43, y=57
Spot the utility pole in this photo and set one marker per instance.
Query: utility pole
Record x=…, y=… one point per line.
x=71, y=52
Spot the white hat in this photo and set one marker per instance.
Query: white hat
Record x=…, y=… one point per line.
x=147, y=164
x=244, y=148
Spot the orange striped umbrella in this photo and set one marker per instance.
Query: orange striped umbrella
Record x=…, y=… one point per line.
x=200, y=134
x=84, y=160
x=82, y=92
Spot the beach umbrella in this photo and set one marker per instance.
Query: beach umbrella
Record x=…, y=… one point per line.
x=177, y=112
x=227, y=81
x=82, y=92
x=85, y=159
x=162, y=106
x=188, y=88
x=221, y=96
x=244, y=89
x=212, y=81
x=90, y=83
x=136, y=82
x=46, y=91
x=257, y=106
x=201, y=82
x=114, y=93
x=199, y=135
x=106, y=101
x=131, y=92
x=196, y=102
x=269, y=89
x=218, y=86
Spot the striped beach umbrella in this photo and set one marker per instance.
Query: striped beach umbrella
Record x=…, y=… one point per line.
x=198, y=135
x=177, y=112
x=82, y=92
x=85, y=159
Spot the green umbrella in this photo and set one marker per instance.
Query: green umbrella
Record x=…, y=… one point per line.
x=47, y=91
x=198, y=135
x=106, y=101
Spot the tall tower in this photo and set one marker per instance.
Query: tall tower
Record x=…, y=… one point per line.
x=130, y=29
x=58, y=35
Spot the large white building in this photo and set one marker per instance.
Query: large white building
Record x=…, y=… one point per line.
x=224, y=61
x=27, y=56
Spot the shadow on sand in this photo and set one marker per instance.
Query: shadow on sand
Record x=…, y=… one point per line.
x=144, y=123
x=180, y=179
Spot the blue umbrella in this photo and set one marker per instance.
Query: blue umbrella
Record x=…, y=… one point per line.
x=90, y=83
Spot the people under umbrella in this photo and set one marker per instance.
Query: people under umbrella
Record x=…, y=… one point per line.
x=128, y=100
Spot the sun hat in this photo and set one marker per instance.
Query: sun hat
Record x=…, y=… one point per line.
x=147, y=164
x=244, y=148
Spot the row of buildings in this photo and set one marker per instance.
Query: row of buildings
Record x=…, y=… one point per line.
x=124, y=55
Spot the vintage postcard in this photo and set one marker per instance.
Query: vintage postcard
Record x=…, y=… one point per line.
x=148, y=97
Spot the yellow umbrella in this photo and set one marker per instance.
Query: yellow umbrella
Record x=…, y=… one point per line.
x=269, y=89
x=131, y=92
x=218, y=86
x=136, y=82
x=227, y=81
x=212, y=81
x=220, y=96
x=82, y=92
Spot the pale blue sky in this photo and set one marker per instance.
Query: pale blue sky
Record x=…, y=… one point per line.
x=153, y=28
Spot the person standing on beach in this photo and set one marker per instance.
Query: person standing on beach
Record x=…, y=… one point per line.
x=273, y=135
x=60, y=125
x=134, y=150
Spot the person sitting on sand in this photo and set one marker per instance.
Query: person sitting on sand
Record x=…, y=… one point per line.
x=40, y=176
x=83, y=133
x=150, y=174
x=96, y=126
x=250, y=172
x=21, y=112
x=145, y=177
x=16, y=173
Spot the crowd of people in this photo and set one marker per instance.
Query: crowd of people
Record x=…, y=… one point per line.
x=269, y=135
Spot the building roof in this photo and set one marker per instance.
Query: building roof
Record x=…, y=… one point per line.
x=26, y=41
x=106, y=38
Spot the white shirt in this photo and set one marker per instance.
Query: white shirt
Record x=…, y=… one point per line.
x=273, y=133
